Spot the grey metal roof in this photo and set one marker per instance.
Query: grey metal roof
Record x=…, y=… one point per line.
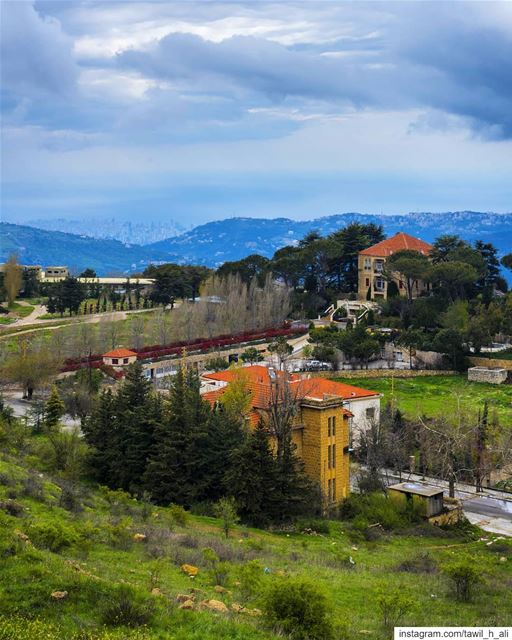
x=417, y=488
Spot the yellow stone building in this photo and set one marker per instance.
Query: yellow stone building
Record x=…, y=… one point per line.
x=320, y=423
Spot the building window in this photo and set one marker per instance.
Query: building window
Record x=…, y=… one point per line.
x=401, y=284
x=329, y=457
x=329, y=490
x=370, y=413
x=367, y=263
x=329, y=427
x=333, y=456
x=333, y=426
x=380, y=284
x=334, y=489
x=367, y=282
x=125, y=360
x=115, y=361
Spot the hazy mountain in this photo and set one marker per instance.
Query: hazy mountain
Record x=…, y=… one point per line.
x=107, y=228
x=231, y=239
x=37, y=246
x=234, y=238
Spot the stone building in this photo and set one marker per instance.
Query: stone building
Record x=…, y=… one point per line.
x=321, y=423
x=372, y=283
x=492, y=375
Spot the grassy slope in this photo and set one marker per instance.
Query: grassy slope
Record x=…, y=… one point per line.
x=105, y=556
x=438, y=395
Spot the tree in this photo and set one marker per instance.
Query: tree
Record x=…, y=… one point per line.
x=254, y=266
x=225, y=510
x=251, y=355
x=54, y=408
x=13, y=277
x=506, y=261
x=412, y=265
x=412, y=339
x=451, y=343
x=137, y=326
x=452, y=278
x=281, y=349
x=237, y=398
x=251, y=478
x=69, y=294
x=31, y=365
x=88, y=273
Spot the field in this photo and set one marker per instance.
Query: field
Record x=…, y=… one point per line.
x=90, y=550
x=438, y=395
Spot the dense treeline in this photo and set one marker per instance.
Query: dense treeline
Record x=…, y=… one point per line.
x=182, y=451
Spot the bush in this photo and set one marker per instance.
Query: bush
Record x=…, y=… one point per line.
x=420, y=563
x=250, y=576
x=126, y=608
x=299, y=609
x=373, y=508
x=179, y=515
x=317, y=525
x=54, y=536
x=218, y=570
x=393, y=607
x=463, y=577
x=33, y=487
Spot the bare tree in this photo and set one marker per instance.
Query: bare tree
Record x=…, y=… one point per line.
x=137, y=326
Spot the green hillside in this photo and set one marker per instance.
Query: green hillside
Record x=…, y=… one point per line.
x=113, y=565
x=36, y=246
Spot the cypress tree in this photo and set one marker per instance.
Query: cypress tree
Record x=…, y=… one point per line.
x=101, y=431
x=54, y=408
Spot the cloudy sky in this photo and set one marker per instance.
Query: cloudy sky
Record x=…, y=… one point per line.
x=194, y=111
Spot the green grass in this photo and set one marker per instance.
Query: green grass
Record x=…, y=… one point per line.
x=102, y=555
x=22, y=311
x=500, y=355
x=4, y=320
x=440, y=395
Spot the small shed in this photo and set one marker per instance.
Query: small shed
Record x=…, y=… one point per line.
x=119, y=358
x=427, y=498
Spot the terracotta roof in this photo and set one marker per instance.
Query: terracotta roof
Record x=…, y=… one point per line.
x=258, y=383
x=398, y=242
x=119, y=353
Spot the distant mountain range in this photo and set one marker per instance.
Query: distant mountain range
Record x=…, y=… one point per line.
x=213, y=243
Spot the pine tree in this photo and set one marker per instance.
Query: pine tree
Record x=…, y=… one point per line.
x=251, y=478
x=54, y=409
x=139, y=412
x=177, y=467
x=102, y=434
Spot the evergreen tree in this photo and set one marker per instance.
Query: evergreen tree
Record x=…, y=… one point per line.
x=138, y=414
x=101, y=431
x=177, y=467
x=54, y=408
x=251, y=478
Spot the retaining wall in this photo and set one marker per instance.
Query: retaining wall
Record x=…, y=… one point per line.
x=386, y=373
x=494, y=363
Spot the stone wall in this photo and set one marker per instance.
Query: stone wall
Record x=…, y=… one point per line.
x=386, y=373
x=494, y=363
x=492, y=375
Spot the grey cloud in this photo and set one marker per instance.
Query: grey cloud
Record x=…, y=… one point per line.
x=36, y=54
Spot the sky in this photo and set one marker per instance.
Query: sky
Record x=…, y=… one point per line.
x=196, y=111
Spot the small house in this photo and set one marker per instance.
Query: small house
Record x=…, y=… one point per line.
x=428, y=499
x=119, y=358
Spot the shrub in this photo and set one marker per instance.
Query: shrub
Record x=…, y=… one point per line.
x=179, y=515
x=225, y=510
x=393, y=607
x=120, y=534
x=218, y=570
x=420, y=563
x=317, y=525
x=250, y=576
x=54, y=536
x=126, y=608
x=463, y=577
x=33, y=486
x=298, y=608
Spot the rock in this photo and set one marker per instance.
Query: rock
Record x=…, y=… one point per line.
x=214, y=605
x=354, y=548
x=156, y=592
x=22, y=536
x=219, y=589
x=190, y=570
x=183, y=597
x=188, y=604
x=365, y=632
x=59, y=595
x=503, y=559
x=237, y=608
x=139, y=537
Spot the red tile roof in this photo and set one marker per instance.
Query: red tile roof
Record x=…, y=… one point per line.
x=258, y=382
x=119, y=353
x=398, y=242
